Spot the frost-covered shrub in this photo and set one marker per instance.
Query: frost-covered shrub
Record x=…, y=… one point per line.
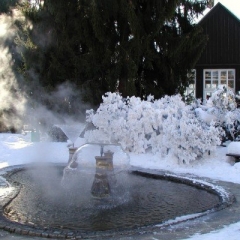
x=231, y=126
x=120, y=120
x=222, y=108
x=163, y=126
x=223, y=99
x=181, y=132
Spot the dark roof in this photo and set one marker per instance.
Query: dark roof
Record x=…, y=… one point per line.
x=216, y=9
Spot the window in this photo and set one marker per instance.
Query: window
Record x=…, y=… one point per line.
x=215, y=77
x=191, y=89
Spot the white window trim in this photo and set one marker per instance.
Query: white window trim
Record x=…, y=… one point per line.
x=192, y=90
x=210, y=90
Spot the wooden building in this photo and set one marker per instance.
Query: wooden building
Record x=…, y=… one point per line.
x=219, y=63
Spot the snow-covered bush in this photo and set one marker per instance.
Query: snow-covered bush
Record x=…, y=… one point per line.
x=222, y=108
x=223, y=99
x=181, y=132
x=166, y=126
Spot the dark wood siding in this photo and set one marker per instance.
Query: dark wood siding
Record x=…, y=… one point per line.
x=223, y=30
x=199, y=83
x=223, y=47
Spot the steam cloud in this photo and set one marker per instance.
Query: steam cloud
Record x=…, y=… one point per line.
x=16, y=108
x=10, y=97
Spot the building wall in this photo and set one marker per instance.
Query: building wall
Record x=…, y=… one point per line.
x=223, y=30
x=223, y=48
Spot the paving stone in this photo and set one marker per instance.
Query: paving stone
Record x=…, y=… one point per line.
x=18, y=231
x=46, y=235
x=25, y=232
x=31, y=233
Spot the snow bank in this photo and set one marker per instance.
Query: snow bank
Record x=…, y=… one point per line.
x=233, y=148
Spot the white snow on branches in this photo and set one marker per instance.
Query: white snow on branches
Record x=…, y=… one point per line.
x=165, y=126
x=222, y=109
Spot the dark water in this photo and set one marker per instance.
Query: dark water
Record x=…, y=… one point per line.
x=43, y=202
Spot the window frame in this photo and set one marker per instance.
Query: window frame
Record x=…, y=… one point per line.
x=191, y=89
x=212, y=78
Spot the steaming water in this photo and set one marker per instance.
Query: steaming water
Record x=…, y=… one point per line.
x=72, y=131
x=43, y=203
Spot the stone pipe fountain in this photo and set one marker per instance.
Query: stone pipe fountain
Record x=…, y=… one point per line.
x=104, y=176
x=72, y=132
x=101, y=171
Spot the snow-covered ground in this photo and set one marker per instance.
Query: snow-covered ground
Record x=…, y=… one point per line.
x=17, y=149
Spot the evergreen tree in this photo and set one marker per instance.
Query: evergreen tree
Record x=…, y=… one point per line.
x=136, y=47
x=7, y=5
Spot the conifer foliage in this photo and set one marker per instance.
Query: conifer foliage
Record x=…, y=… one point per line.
x=136, y=47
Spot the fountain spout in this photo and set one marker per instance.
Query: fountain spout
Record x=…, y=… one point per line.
x=104, y=176
x=72, y=150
